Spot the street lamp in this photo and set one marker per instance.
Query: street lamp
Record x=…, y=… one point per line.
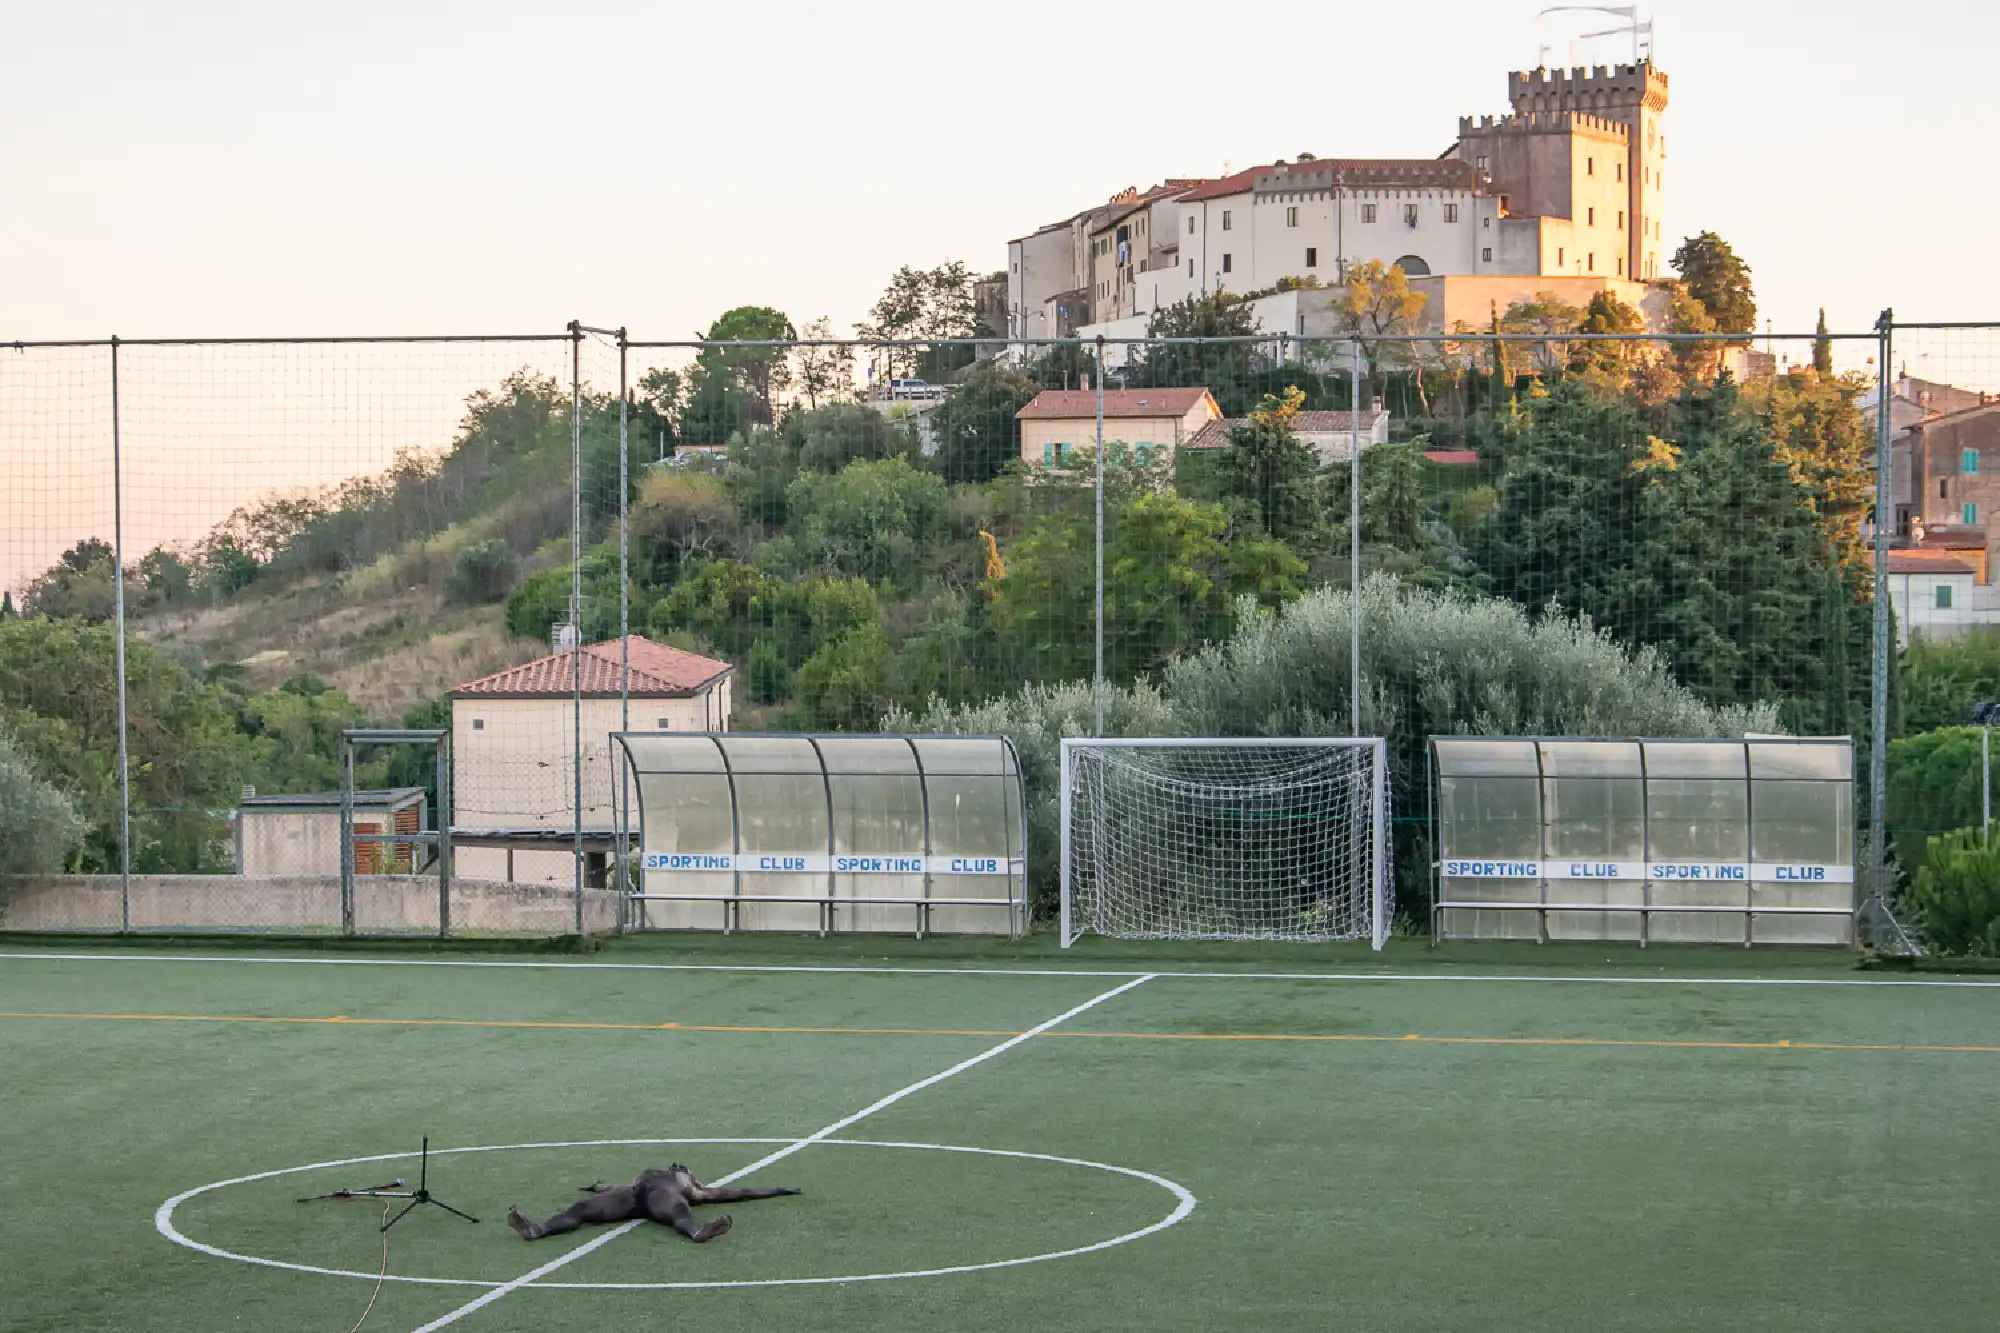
x=1984, y=715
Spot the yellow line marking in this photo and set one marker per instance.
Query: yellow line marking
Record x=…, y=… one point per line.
x=345, y=1021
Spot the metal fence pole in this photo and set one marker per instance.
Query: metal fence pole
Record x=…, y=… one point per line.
x=620, y=796
x=1354, y=550
x=576, y=609
x=1878, y=713
x=346, y=836
x=118, y=652
x=443, y=758
x=1097, y=672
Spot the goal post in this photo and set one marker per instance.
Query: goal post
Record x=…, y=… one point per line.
x=1236, y=838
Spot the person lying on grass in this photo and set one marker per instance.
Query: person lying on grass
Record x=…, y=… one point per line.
x=667, y=1196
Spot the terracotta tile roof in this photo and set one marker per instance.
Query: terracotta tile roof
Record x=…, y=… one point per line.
x=1238, y=183
x=658, y=672
x=1453, y=457
x=1072, y=404
x=1953, y=539
x=1215, y=435
x=1906, y=561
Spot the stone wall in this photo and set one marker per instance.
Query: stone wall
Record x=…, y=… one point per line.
x=297, y=905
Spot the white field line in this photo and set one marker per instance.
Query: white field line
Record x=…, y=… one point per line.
x=1164, y=974
x=487, y=1298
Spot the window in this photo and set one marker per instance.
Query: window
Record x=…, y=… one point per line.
x=1486, y=222
x=1590, y=217
x=1451, y=212
x=1621, y=268
x=1944, y=597
x=1968, y=462
x=1143, y=454
x=666, y=725
x=1368, y=212
x=1409, y=215
x=1590, y=166
x=1591, y=261
x=1225, y=219
x=1190, y=268
x=1312, y=256
x=1969, y=512
x=1621, y=219
x=479, y=724
x=1054, y=455
x=1486, y=254
x=1482, y=162
x=1621, y=171
x=1226, y=264
x=1292, y=216
x=1942, y=484
x=1560, y=261
x=1190, y=224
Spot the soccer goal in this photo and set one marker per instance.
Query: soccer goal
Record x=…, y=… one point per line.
x=1225, y=839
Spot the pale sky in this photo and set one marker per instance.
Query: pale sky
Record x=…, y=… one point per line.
x=207, y=168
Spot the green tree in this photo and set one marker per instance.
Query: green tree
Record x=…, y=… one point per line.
x=977, y=432
x=1934, y=788
x=40, y=829
x=1376, y=302
x=847, y=684
x=682, y=516
x=1822, y=356
x=59, y=691
x=1719, y=280
x=1939, y=680
x=1230, y=370
x=1956, y=894
x=483, y=572
x=832, y=437
x=1267, y=467
x=7, y=611
x=1827, y=443
x=81, y=585
x=871, y=519
x=1165, y=580
x=922, y=304
x=823, y=374
x=759, y=374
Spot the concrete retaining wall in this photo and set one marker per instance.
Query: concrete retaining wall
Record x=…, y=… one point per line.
x=297, y=904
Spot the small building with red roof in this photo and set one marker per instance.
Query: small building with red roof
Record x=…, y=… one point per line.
x=513, y=734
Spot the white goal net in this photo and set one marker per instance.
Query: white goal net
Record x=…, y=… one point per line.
x=1244, y=839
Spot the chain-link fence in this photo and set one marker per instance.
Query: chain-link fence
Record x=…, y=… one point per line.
x=221, y=554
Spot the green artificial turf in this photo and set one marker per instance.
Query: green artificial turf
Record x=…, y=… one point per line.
x=1425, y=1151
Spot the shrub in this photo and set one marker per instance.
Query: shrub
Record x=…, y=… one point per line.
x=1432, y=663
x=1933, y=788
x=40, y=828
x=482, y=573
x=1956, y=894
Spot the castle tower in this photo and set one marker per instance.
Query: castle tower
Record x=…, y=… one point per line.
x=1634, y=96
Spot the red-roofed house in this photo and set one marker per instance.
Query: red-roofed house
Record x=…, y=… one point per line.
x=513, y=734
x=1328, y=434
x=1060, y=422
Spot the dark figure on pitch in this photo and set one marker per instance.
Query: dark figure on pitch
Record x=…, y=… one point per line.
x=667, y=1196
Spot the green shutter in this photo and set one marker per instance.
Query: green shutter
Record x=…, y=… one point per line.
x=1944, y=597
x=1968, y=461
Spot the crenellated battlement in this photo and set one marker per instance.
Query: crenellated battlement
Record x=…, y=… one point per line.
x=1584, y=88
x=1544, y=122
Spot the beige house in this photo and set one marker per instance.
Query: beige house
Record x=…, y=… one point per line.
x=513, y=737
x=1328, y=434
x=1060, y=425
x=299, y=833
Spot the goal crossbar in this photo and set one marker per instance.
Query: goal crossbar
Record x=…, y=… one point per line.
x=1225, y=838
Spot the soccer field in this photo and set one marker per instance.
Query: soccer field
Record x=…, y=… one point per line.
x=1003, y=1138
